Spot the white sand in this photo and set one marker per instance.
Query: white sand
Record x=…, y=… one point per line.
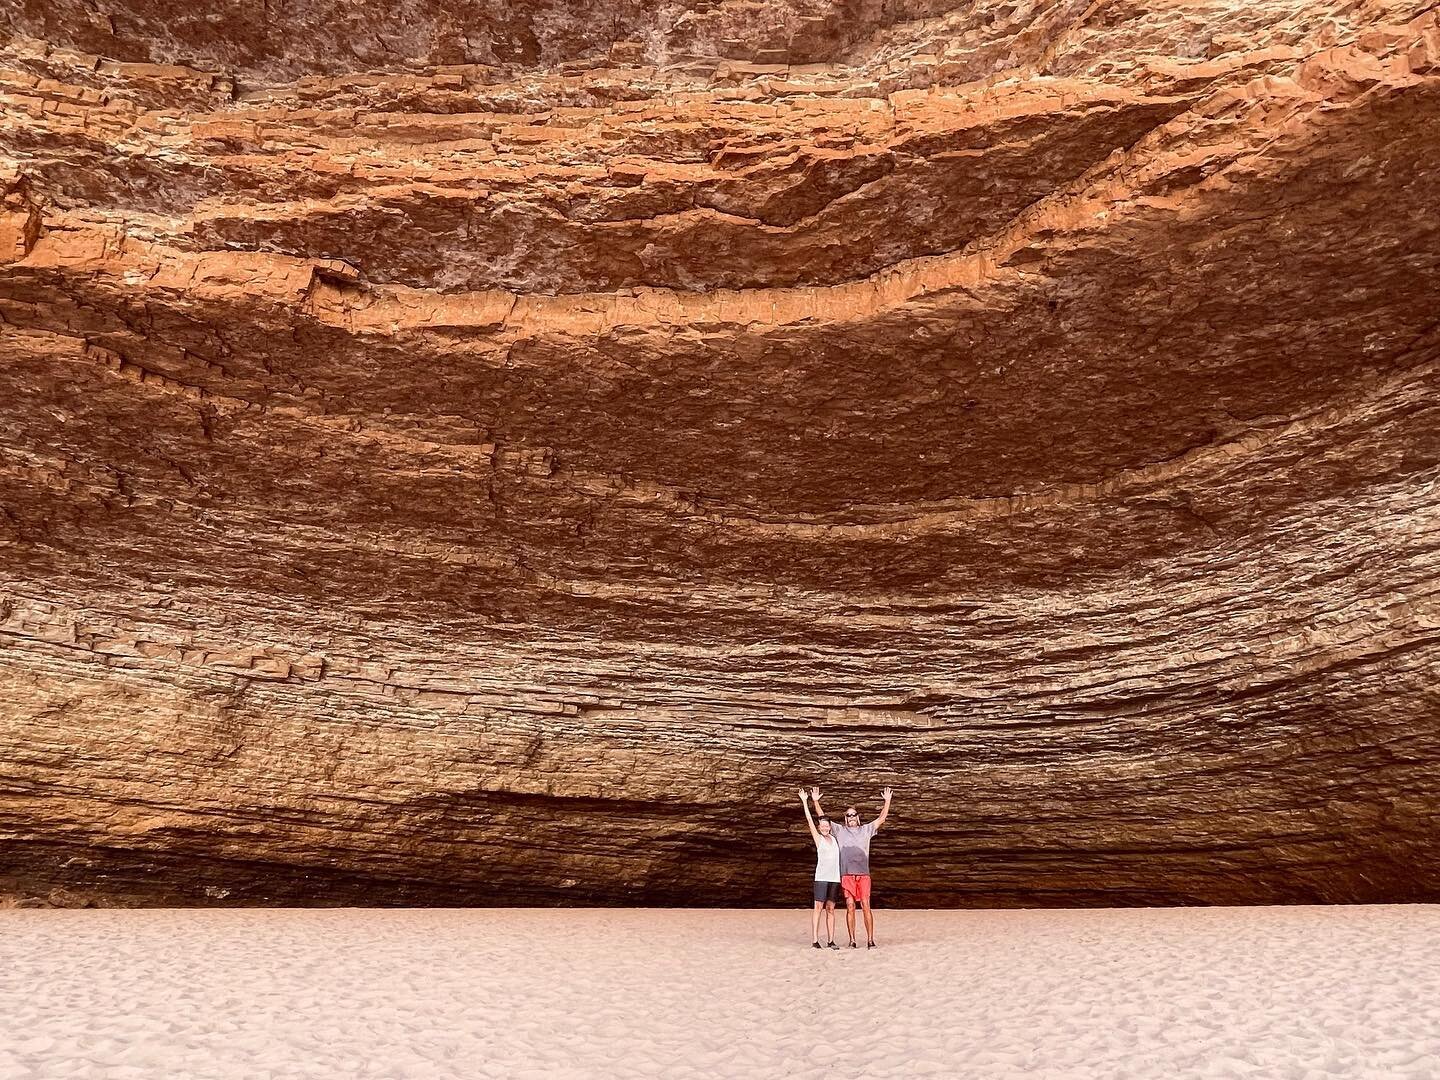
x=1268, y=993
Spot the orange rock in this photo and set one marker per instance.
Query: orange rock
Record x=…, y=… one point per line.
x=436, y=466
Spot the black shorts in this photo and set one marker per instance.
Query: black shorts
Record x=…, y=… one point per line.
x=828, y=890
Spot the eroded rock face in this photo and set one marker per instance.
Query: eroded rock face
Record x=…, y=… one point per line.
x=494, y=453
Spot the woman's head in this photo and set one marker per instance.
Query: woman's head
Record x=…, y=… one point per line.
x=824, y=826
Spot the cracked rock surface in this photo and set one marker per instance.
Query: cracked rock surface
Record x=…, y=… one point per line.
x=495, y=453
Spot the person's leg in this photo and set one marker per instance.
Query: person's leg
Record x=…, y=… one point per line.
x=850, y=916
x=815, y=920
x=830, y=921
x=862, y=893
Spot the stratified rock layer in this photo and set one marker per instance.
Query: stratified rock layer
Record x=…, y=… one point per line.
x=485, y=453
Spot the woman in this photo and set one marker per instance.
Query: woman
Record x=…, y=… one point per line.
x=827, y=874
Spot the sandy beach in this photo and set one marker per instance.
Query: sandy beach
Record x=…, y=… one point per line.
x=1272, y=993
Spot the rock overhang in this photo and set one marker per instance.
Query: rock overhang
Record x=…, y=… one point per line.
x=501, y=472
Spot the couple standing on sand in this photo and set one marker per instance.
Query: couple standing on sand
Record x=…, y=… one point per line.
x=842, y=866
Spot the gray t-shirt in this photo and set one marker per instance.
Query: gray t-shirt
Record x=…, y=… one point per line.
x=854, y=846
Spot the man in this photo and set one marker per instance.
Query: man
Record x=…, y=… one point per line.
x=855, y=862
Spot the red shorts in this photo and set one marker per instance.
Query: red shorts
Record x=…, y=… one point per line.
x=856, y=886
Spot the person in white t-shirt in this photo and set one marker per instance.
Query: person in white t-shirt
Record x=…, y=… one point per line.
x=827, y=874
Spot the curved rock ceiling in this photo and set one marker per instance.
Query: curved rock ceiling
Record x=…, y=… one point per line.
x=494, y=452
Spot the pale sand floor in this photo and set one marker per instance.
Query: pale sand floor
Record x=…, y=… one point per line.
x=1268, y=993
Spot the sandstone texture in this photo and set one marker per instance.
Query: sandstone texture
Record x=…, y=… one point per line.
x=495, y=452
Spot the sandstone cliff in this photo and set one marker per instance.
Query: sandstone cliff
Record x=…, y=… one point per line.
x=495, y=452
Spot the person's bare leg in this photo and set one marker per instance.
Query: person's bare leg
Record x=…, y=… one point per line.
x=830, y=920
x=869, y=922
x=850, y=917
x=815, y=920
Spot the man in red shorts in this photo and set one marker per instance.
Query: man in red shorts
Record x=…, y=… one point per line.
x=855, y=862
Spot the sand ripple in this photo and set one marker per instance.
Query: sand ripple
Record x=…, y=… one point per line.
x=1264, y=993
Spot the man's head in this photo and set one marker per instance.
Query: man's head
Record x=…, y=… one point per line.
x=852, y=816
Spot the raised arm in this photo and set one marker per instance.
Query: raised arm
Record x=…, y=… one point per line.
x=815, y=794
x=804, y=805
x=884, y=810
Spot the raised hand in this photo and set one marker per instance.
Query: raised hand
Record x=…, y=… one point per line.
x=886, y=794
x=815, y=794
x=802, y=794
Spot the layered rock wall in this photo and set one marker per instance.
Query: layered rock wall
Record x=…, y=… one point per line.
x=496, y=453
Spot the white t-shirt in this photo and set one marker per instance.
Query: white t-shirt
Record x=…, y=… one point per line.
x=827, y=866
